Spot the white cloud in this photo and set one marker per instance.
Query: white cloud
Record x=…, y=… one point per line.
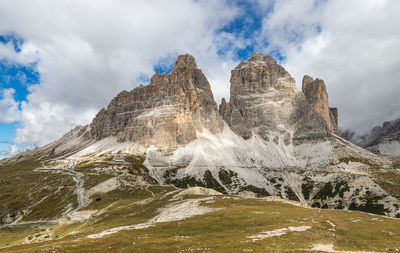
x=356, y=53
x=9, y=108
x=88, y=51
x=12, y=150
x=25, y=57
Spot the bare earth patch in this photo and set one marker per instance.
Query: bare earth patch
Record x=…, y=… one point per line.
x=277, y=232
x=329, y=248
x=173, y=212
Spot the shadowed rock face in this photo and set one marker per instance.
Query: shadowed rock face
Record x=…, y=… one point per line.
x=385, y=139
x=166, y=113
x=389, y=131
x=381, y=140
x=265, y=101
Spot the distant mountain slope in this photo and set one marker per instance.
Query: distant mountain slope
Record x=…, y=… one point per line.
x=382, y=140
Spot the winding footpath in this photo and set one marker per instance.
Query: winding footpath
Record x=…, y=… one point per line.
x=79, y=183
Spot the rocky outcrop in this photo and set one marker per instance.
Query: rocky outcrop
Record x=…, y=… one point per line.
x=264, y=100
x=389, y=131
x=12, y=217
x=166, y=113
x=317, y=97
x=261, y=98
x=334, y=115
x=382, y=140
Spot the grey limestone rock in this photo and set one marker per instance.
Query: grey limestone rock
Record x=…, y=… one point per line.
x=166, y=113
x=264, y=100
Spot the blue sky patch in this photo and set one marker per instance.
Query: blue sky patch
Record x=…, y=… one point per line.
x=164, y=65
x=16, y=40
x=7, y=134
x=246, y=25
x=18, y=77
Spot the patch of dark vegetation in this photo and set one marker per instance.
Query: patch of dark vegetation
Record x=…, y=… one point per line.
x=170, y=173
x=98, y=199
x=329, y=190
x=370, y=205
x=277, y=183
x=316, y=205
x=260, y=192
x=325, y=206
x=325, y=192
x=306, y=189
x=339, y=204
x=341, y=187
x=397, y=215
x=211, y=182
x=246, y=137
x=208, y=182
x=225, y=176
x=290, y=194
x=185, y=182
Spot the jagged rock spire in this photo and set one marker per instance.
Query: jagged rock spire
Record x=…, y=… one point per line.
x=185, y=60
x=256, y=86
x=166, y=113
x=265, y=100
x=317, y=97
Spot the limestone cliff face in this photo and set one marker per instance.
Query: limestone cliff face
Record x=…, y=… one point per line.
x=166, y=113
x=317, y=97
x=261, y=97
x=265, y=101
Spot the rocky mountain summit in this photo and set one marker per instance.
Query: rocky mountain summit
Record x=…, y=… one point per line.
x=270, y=139
x=265, y=101
x=166, y=113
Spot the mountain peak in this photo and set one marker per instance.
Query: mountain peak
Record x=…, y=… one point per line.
x=261, y=57
x=185, y=60
x=166, y=113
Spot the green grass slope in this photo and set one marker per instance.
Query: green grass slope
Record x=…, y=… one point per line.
x=231, y=223
x=231, y=226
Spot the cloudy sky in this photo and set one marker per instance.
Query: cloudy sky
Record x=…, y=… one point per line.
x=61, y=61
